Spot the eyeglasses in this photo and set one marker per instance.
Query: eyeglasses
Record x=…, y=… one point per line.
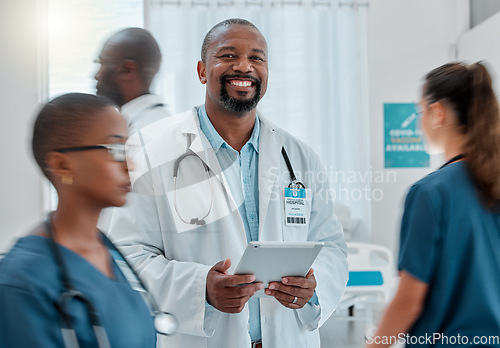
x=117, y=150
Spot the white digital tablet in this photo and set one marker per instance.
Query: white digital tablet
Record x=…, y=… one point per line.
x=270, y=261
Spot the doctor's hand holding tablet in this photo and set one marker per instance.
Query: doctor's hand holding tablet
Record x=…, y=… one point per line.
x=261, y=267
x=293, y=292
x=229, y=293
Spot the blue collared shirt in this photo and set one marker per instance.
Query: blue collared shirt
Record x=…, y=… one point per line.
x=241, y=171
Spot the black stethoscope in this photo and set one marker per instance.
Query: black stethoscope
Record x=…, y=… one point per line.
x=165, y=323
x=193, y=221
x=201, y=220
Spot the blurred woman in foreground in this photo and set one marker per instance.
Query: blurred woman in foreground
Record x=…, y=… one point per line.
x=60, y=286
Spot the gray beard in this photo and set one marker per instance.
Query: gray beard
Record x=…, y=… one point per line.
x=235, y=105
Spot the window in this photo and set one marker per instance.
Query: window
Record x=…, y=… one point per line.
x=76, y=33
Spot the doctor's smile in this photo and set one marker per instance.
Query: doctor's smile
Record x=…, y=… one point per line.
x=240, y=83
x=241, y=87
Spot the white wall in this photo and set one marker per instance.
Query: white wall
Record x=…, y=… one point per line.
x=483, y=9
x=481, y=43
x=407, y=39
x=20, y=186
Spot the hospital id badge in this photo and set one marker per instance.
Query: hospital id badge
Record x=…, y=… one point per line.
x=297, y=206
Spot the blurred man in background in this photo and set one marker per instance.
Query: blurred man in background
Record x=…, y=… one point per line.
x=129, y=61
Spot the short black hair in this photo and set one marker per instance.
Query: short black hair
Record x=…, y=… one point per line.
x=139, y=45
x=63, y=121
x=225, y=23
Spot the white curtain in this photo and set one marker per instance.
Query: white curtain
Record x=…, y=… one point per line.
x=317, y=75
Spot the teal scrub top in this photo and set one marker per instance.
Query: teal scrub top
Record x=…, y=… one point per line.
x=30, y=286
x=450, y=241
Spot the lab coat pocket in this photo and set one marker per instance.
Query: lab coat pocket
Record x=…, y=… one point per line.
x=296, y=213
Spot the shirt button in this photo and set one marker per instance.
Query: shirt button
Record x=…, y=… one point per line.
x=245, y=181
x=252, y=216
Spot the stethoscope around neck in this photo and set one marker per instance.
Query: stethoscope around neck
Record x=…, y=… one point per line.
x=195, y=220
x=165, y=323
x=294, y=184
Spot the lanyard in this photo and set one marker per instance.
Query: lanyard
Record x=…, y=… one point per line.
x=451, y=160
x=294, y=183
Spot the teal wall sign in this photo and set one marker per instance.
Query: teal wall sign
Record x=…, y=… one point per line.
x=404, y=144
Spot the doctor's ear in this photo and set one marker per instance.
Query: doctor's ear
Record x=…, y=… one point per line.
x=202, y=72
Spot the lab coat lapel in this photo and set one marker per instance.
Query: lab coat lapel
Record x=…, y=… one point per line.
x=269, y=167
x=201, y=146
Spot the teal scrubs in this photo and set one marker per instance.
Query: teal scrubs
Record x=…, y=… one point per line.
x=450, y=241
x=30, y=286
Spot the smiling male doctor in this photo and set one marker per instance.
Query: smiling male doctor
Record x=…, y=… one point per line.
x=185, y=236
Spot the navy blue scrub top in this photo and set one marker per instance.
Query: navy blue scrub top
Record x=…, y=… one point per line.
x=30, y=285
x=450, y=241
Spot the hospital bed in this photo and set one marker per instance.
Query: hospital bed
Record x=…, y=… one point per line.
x=371, y=275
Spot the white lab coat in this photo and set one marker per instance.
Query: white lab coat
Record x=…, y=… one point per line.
x=144, y=110
x=173, y=258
